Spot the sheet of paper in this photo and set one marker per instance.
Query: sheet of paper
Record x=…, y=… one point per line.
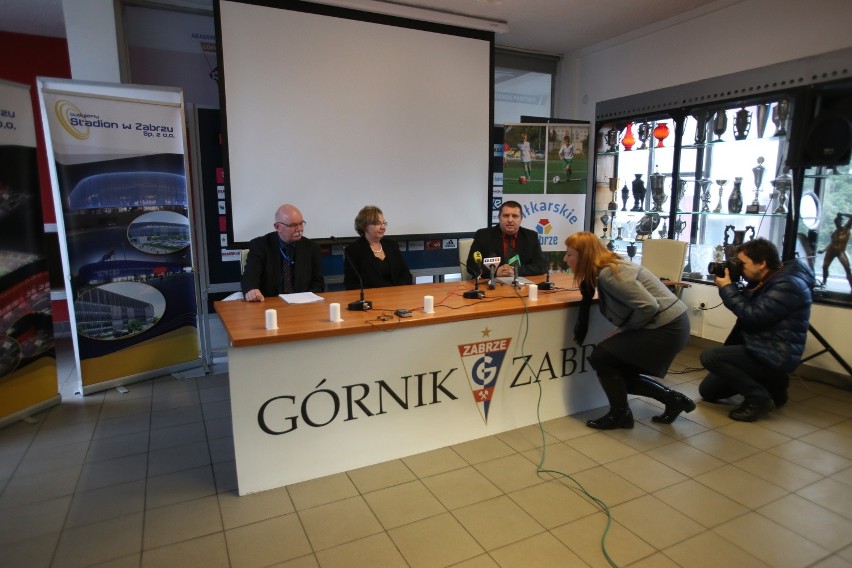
x=301, y=298
x=508, y=280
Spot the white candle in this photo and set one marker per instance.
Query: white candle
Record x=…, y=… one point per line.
x=271, y=319
x=334, y=312
x=533, y=292
x=429, y=304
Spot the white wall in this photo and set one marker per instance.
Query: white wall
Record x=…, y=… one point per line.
x=92, y=40
x=722, y=39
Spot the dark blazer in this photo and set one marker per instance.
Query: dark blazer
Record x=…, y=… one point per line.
x=371, y=269
x=263, y=266
x=489, y=242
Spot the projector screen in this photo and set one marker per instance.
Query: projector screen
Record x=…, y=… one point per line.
x=331, y=112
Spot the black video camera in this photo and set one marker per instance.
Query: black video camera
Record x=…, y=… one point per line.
x=734, y=266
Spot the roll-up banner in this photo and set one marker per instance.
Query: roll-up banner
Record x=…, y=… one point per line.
x=118, y=168
x=28, y=380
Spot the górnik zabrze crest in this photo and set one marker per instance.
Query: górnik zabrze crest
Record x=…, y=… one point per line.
x=482, y=361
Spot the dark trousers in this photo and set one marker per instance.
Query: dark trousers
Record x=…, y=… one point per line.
x=732, y=370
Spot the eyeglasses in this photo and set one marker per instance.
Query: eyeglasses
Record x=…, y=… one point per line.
x=382, y=224
x=291, y=225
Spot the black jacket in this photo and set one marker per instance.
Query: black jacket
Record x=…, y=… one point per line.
x=773, y=319
x=489, y=242
x=372, y=269
x=263, y=266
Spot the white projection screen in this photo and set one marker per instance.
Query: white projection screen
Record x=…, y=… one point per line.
x=332, y=113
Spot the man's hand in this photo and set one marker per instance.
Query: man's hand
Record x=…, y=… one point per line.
x=254, y=295
x=723, y=281
x=505, y=270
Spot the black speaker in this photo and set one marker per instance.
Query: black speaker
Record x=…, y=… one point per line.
x=822, y=132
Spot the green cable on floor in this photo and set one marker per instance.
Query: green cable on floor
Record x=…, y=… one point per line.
x=540, y=469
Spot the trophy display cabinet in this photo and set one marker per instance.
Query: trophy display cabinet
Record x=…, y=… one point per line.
x=722, y=161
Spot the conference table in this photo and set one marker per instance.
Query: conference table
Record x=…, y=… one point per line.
x=316, y=397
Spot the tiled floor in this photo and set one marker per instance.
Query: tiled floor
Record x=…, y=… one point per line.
x=146, y=478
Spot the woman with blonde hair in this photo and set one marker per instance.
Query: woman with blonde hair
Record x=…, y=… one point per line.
x=651, y=328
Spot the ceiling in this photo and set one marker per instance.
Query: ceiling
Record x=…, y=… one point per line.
x=546, y=26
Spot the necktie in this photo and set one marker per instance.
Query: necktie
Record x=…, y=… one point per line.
x=287, y=271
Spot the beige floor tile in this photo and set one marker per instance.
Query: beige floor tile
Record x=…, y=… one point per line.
x=101, y=449
x=833, y=404
x=811, y=457
x=221, y=449
x=481, y=561
x=51, y=458
x=846, y=553
x=553, y=503
x=209, y=551
x=700, y=503
x=645, y=472
x=833, y=561
x=561, y=458
x=656, y=522
x=434, y=462
x=741, y=486
x=788, y=426
x=182, y=435
x=720, y=446
x=321, y=491
x=779, y=471
x=844, y=428
x=461, y=487
x=657, y=560
x=181, y=486
x=99, y=474
x=33, y=520
x=605, y=485
x=567, y=428
x=106, y=503
x=369, y=552
x=178, y=458
x=831, y=494
x=844, y=476
x=238, y=511
x=709, y=550
x=707, y=416
x=511, y=472
x=483, y=449
x=99, y=542
x=266, y=542
x=602, y=448
x=225, y=476
x=402, y=504
x=436, y=541
x=339, y=522
x=754, y=433
x=776, y=545
x=526, y=438
x=834, y=442
x=22, y=490
x=583, y=537
x=540, y=550
x=308, y=561
x=819, y=525
x=36, y=552
x=181, y=521
x=684, y=458
x=642, y=437
x=381, y=475
x=497, y=522
x=810, y=414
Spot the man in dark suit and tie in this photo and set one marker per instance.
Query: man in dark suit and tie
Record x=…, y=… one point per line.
x=507, y=240
x=283, y=261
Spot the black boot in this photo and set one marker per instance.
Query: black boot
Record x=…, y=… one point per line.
x=619, y=415
x=751, y=410
x=675, y=402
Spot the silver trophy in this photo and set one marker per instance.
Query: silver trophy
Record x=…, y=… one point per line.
x=783, y=185
x=720, y=124
x=702, y=117
x=605, y=220
x=780, y=113
x=681, y=191
x=613, y=187
x=644, y=133
x=704, y=184
x=758, y=171
x=658, y=192
x=762, y=119
x=611, y=140
x=721, y=183
x=742, y=124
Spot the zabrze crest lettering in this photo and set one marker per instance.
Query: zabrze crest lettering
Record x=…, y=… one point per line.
x=482, y=361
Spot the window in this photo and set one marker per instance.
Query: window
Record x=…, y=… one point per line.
x=523, y=85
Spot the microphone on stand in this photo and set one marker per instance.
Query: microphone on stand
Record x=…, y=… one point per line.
x=547, y=284
x=360, y=305
x=492, y=263
x=476, y=293
x=515, y=262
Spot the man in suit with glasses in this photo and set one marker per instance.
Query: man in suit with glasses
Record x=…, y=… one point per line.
x=283, y=261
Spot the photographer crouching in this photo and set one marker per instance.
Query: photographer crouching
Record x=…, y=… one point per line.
x=768, y=339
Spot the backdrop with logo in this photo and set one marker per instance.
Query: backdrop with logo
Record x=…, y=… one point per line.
x=118, y=169
x=546, y=169
x=28, y=379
